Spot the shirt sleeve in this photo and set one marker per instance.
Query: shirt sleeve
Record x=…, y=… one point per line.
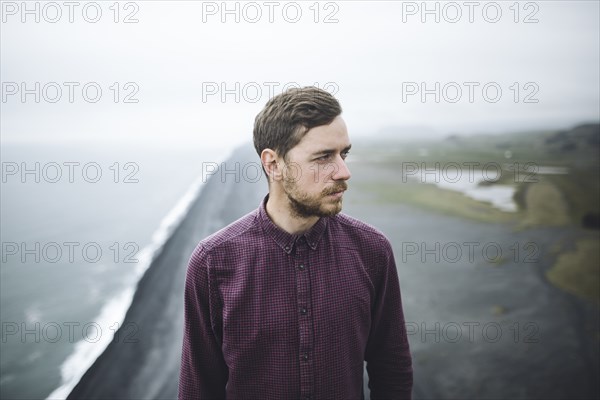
x=388, y=358
x=203, y=373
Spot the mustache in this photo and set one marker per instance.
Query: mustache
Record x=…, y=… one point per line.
x=337, y=188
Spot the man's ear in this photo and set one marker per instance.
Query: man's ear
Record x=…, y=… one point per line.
x=270, y=163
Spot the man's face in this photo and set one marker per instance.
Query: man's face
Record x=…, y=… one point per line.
x=315, y=171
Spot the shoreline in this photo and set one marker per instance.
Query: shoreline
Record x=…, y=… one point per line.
x=86, y=353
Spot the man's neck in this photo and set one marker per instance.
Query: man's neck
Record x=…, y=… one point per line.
x=278, y=209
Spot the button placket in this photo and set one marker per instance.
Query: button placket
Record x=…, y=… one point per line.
x=305, y=323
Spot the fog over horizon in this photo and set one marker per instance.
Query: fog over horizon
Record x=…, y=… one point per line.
x=197, y=73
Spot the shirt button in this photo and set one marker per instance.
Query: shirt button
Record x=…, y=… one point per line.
x=303, y=311
x=301, y=267
x=287, y=248
x=304, y=357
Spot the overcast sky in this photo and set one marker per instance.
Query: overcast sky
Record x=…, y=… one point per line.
x=199, y=76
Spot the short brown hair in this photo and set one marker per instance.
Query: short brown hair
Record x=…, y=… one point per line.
x=287, y=117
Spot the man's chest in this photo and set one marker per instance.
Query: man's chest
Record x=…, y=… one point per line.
x=303, y=300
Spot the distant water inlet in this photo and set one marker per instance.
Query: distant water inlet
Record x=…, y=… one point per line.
x=479, y=184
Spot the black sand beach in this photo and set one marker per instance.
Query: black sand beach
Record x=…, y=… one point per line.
x=543, y=351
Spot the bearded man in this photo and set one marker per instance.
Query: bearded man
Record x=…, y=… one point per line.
x=292, y=299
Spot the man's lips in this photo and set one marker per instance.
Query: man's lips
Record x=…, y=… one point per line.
x=337, y=190
x=337, y=194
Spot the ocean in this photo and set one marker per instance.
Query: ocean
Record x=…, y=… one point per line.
x=80, y=225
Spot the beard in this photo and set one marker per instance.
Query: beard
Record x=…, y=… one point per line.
x=304, y=205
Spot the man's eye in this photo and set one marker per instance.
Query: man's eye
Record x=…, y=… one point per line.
x=323, y=158
x=345, y=154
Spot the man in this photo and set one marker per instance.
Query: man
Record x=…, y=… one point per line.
x=290, y=300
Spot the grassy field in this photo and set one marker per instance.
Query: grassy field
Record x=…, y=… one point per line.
x=577, y=271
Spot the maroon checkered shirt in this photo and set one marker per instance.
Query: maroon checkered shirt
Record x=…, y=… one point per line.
x=270, y=315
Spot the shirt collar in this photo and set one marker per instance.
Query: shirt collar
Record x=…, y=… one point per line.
x=286, y=240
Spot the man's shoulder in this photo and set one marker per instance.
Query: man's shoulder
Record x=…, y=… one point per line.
x=224, y=241
x=360, y=232
x=232, y=233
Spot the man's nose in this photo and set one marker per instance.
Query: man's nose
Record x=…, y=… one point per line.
x=341, y=171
